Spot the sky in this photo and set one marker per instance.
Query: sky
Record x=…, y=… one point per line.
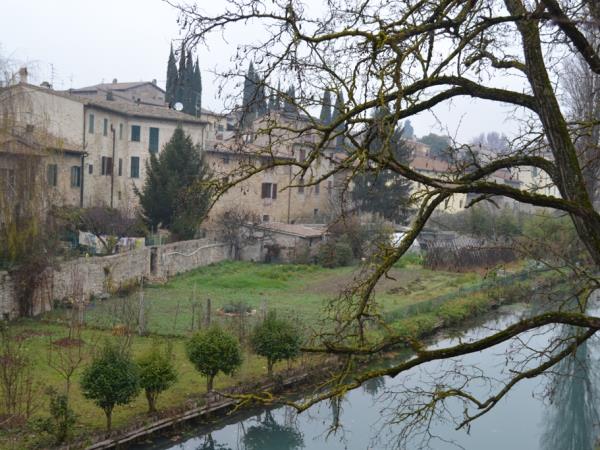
x=75, y=43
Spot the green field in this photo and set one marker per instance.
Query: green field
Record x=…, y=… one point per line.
x=297, y=291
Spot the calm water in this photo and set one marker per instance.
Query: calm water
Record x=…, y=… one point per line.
x=554, y=412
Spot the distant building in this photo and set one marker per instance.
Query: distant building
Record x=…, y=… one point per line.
x=144, y=92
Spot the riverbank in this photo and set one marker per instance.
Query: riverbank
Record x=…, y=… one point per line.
x=187, y=394
x=449, y=315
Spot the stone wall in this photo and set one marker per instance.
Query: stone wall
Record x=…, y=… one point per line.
x=93, y=276
x=172, y=259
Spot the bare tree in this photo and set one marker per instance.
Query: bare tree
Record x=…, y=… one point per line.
x=410, y=57
x=235, y=228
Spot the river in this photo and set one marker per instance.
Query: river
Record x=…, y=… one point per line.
x=555, y=412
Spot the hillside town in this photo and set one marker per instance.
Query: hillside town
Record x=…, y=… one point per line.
x=322, y=255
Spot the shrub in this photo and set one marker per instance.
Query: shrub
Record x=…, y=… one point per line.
x=111, y=379
x=61, y=421
x=335, y=254
x=275, y=339
x=157, y=373
x=214, y=351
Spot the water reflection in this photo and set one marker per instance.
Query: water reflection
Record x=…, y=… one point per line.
x=210, y=444
x=270, y=435
x=572, y=420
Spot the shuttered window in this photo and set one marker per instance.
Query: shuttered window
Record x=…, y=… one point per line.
x=91, y=124
x=107, y=166
x=135, y=133
x=52, y=174
x=75, y=176
x=105, y=127
x=269, y=190
x=153, y=142
x=135, y=167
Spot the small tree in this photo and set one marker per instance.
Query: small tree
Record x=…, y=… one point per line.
x=157, y=373
x=62, y=418
x=111, y=379
x=214, y=351
x=275, y=339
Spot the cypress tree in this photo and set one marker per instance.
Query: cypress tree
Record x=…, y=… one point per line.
x=249, y=97
x=180, y=86
x=197, y=89
x=189, y=104
x=326, y=108
x=261, y=98
x=290, y=101
x=337, y=111
x=172, y=78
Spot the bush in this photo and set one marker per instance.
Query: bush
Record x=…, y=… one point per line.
x=237, y=308
x=214, y=351
x=111, y=379
x=61, y=421
x=335, y=254
x=275, y=339
x=157, y=373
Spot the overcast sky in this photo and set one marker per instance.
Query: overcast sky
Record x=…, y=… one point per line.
x=75, y=43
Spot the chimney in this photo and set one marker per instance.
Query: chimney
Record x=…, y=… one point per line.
x=154, y=81
x=23, y=75
x=114, y=81
x=110, y=96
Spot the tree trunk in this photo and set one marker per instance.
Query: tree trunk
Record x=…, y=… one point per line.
x=151, y=397
x=270, y=368
x=108, y=413
x=209, y=383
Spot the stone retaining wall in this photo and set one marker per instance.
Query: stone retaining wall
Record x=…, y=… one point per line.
x=97, y=275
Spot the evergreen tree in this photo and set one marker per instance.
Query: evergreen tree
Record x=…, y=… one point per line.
x=248, y=97
x=326, y=108
x=197, y=86
x=175, y=194
x=408, y=132
x=180, y=85
x=382, y=191
x=172, y=78
x=339, y=129
x=189, y=97
x=261, y=98
x=289, y=105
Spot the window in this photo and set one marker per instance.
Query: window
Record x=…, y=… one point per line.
x=301, y=187
x=75, y=176
x=135, y=133
x=316, y=212
x=269, y=190
x=105, y=128
x=265, y=218
x=226, y=159
x=120, y=131
x=135, y=167
x=153, y=144
x=90, y=169
x=91, y=124
x=52, y=174
x=220, y=127
x=329, y=186
x=301, y=155
x=317, y=189
x=120, y=166
x=7, y=180
x=107, y=166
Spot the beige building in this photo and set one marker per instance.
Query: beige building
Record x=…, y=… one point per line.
x=113, y=140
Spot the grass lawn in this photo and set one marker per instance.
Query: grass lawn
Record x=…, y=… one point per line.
x=296, y=291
